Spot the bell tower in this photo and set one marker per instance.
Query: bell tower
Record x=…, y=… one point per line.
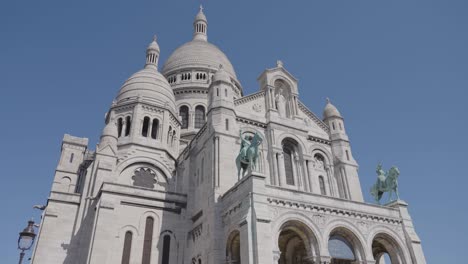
x=346, y=168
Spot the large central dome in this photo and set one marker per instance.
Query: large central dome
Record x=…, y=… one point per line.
x=198, y=53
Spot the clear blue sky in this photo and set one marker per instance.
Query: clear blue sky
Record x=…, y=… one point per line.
x=397, y=71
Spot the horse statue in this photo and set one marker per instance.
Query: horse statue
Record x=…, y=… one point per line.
x=248, y=154
x=386, y=182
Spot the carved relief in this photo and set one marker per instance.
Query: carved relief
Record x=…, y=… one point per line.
x=363, y=226
x=257, y=107
x=320, y=219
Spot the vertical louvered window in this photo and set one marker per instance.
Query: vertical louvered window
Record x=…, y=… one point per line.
x=128, y=122
x=148, y=241
x=166, y=249
x=144, y=130
x=127, y=248
x=199, y=116
x=119, y=127
x=184, y=112
x=154, y=128
x=323, y=191
x=288, y=166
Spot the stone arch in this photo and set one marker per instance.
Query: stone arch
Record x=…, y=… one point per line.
x=347, y=231
x=384, y=240
x=285, y=79
x=282, y=136
x=314, y=149
x=305, y=229
x=233, y=254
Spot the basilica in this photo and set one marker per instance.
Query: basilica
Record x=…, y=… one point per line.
x=163, y=184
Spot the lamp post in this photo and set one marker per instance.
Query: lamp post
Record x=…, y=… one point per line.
x=26, y=239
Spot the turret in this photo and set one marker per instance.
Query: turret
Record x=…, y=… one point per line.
x=345, y=167
x=221, y=112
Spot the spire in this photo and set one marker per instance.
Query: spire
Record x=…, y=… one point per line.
x=200, y=26
x=152, y=54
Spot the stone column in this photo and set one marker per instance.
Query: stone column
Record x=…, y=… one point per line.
x=124, y=127
x=295, y=171
x=315, y=186
x=216, y=162
x=330, y=183
x=274, y=171
x=306, y=176
x=282, y=176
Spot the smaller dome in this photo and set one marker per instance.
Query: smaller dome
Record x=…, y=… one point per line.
x=221, y=75
x=110, y=130
x=148, y=84
x=153, y=46
x=330, y=110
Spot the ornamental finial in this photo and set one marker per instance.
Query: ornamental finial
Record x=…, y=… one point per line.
x=279, y=64
x=201, y=8
x=155, y=38
x=328, y=101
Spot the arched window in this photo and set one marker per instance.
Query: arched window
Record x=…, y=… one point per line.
x=119, y=127
x=323, y=191
x=333, y=125
x=199, y=116
x=227, y=124
x=144, y=129
x=166, y=249
x=288, y=166
x=289, y=147
x=347, y=154
x=71, y=157
x=184, y=113
x=148, y=241
x=233, y=248
x=341, y=250
x=127, y=248
x=199, y=261
x=154, y=128
x=173, y=138
x=128, y=122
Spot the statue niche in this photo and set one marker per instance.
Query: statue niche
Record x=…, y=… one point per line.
x=282, y=95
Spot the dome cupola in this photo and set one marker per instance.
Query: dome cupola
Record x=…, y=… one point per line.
x=152, y=53
x=200, y=26
x=148, y=84
x=330, y=111
x=198, y=54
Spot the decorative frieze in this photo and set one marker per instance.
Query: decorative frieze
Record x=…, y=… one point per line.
x=333, y=211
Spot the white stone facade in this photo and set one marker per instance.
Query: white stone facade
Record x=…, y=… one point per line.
x=162, y=185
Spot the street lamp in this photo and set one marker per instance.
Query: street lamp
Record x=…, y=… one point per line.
x=26, y=239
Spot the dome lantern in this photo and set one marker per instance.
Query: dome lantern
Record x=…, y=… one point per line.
x=200, y=26
x=152, y=54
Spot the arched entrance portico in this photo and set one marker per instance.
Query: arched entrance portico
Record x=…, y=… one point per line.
x=384, y=244
x=344, y=247
x=297, y=244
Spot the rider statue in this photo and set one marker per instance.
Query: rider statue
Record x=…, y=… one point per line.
x=380, y=176
x=386, y=182
x=248, y=154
